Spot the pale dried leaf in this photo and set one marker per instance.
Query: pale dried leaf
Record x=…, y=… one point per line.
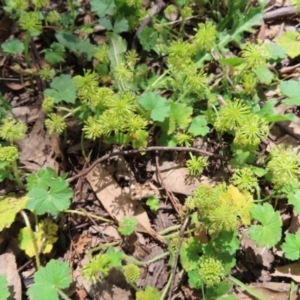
x=290, y=271
x=8, y=268
x=177, y=180
x=271, y=290
x=115, y=202
x=40, y=150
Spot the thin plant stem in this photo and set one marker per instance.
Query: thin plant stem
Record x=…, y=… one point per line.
x=82, y=146
x=62, y=294
x=16, y=175
x=89, y=253
x=167, y=230
x=164, y=293
x=26, y=220
x=26, y=46
x=247, y=288
x=144, y=263
x=71, y=6
x=81, y=213
x=177, y=233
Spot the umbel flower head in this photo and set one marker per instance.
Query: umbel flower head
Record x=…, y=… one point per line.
x=211, y=271
x=206, y=36
x=131, y=272
x=31, y=22
x=255, y=55
x=12, y=130
x=284, y=166
x=8, y=154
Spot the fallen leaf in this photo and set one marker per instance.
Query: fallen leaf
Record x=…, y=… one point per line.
x=115, y=201
x=290, y=271
x=8, y=268
x=271, y=290
x=40, y=149
x=177, y=179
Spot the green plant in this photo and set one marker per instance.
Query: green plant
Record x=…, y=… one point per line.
x=4, y=292
x=51, y=280
x=127, y=225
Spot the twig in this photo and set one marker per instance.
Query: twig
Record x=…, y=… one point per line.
x=127, y=152
x=280, y=13
x=180, y=240
x=160, y=5
x=169, y=194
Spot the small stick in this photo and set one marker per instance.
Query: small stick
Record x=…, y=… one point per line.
x=181, y=235
x=127, y=152
x=281, y=12
x=160, y=5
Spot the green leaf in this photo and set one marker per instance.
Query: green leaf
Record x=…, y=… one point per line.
x=127, y=225
x=42, y=179
x=157, y=106
x=167, y=140
x=115, y=257
x=221, y=289
x=199, y=126
x=153, y=203
x=103, y=7
x=55, y=54
x=180, y=115
x=190, y=253
x=52, y=200
x=294, y=199
x=194, y=279
x=121, y=25
x=264, y=75
x=291, y=246
x=269, y=233
x=69, y=40
x=4, y=292
x=54, y=276
x=116, y=49
x=12, y=46
x=288, y=41
x=277, y=52
x=62, y=89
x=148, y=38
x=270, y=115
x=106, y=23
x=291, y=89
x=232, y=61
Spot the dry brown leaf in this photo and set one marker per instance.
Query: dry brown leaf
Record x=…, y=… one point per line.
x=27, y=114
x=256, y=255
x=40, y=150
x=15, y=86
x=115, y=202
x=177, y=180
x=81, y=242
x=8, y=268
x=271, y=290
x=290, y=271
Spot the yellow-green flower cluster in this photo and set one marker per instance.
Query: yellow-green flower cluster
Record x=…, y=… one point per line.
x=211, y=271
x=131, y=272
x=12, y=130
x=8, y=154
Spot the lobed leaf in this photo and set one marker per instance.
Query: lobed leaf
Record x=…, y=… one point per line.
x=55, y=275
x=269, y=233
